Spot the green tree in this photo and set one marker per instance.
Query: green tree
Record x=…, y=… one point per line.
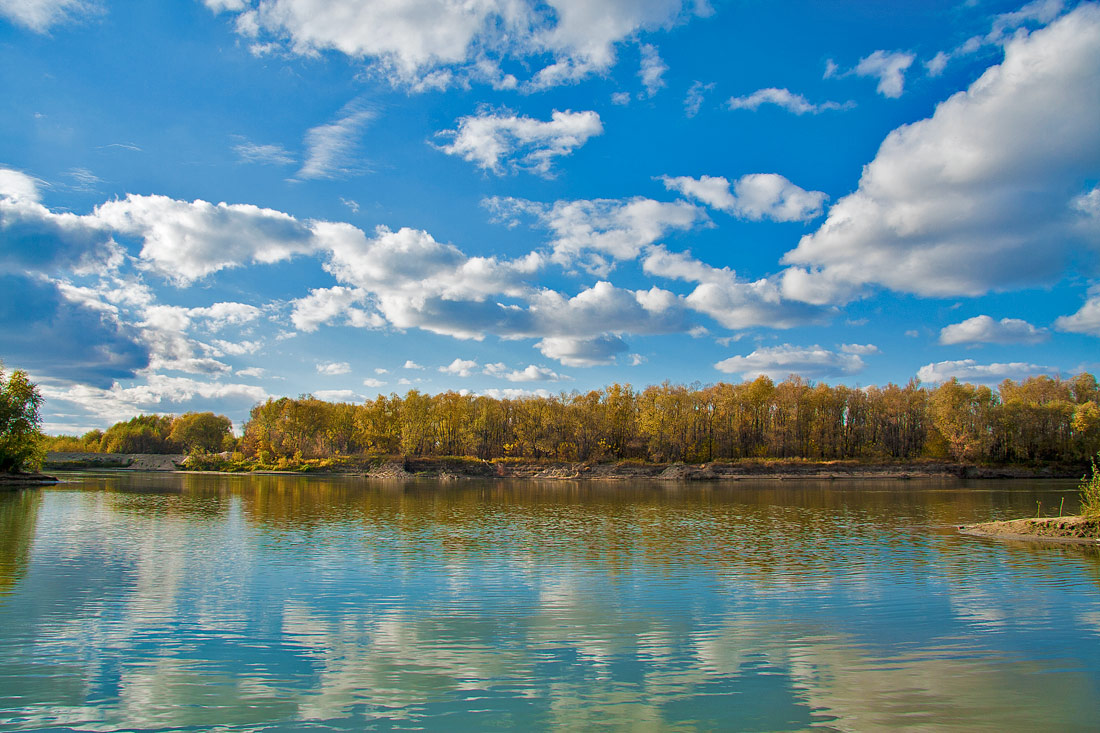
x=20, y=423
x=200, y=430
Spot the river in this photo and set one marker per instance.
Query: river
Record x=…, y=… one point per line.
x=284, y=603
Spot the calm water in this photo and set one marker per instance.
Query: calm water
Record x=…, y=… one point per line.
x=188, y=602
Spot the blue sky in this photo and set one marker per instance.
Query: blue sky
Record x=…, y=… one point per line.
x=203, y=204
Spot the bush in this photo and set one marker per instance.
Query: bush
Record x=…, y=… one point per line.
x=1090, y=492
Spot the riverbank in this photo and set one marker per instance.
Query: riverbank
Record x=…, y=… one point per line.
x=19, y=480
x=460, y=468
x=1059, y=529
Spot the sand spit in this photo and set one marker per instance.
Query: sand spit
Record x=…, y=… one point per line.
x=1082, y=530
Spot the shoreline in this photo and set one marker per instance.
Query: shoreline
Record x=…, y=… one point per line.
x=472, y=468
x=1069, y=529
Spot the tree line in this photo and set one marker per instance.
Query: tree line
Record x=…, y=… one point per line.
x=1040, y=419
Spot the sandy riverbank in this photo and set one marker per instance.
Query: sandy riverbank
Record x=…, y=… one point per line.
x=1059, y=529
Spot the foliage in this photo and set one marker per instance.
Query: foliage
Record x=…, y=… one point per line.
x=20, y=423
x=1090, y=492
x=203, y=431
x=1041, y=419
x=90, y=442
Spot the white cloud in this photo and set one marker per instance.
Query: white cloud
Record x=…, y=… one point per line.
x=532, y=373
x=861, y=349
x=252, y=372
x=336, y=304
x=651, y=70
x=515, y=393
x=755, y=196
x=410, y=364
x=620, y=98
x=187, y=241
x=693, y=102
x=777, y=362
x=889, y=68
x=39, y=15
x=598, y=229
x=460, y=367
x=235, y=348
x=985, y=330
x=330, y=148
x=496, y=141
x=437, y=43
x=373, y=383
x=978, y=196
x=159, y=393
x=333, y=368
x=1086, y=320
x=582, y=352
x=337, y=395
x=968, y=370
x=733, y=302
x=784, y=98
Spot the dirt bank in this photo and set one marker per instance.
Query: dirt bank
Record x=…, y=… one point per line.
x=1061, y=529
x=18, y=480
x=131, y=461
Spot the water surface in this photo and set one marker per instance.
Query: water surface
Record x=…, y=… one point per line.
x=256, y=603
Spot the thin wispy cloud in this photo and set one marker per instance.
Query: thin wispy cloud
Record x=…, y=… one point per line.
x=331, y=148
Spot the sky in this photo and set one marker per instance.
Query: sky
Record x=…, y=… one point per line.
x=207, y=203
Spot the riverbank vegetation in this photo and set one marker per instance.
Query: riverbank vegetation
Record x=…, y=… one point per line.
x=1035, y=421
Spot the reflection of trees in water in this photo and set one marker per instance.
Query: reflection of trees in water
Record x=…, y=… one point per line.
x=18, y=518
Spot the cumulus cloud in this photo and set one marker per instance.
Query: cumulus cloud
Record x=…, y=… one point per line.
x=582, y=352
x=185, y=241
x=599, y=231
x=437, y=43
x=459, y=367
x=1086, y=320
x=159, y=393
x=861, y=349
x=40, y=15
x=38, y=239
x=333, y=305
x=977, y=197
x=755, y=196
x=330, y=148
x=48, y=329
x=373, y=383
x=783, y=98
x=889, y=68
x=410, y=364
x=333, y=368
x=500, y=141
x=985, y=330
x=968, y=370
x=532, y=373
x=731, y=301
x=652, y=70
x=778, y=362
